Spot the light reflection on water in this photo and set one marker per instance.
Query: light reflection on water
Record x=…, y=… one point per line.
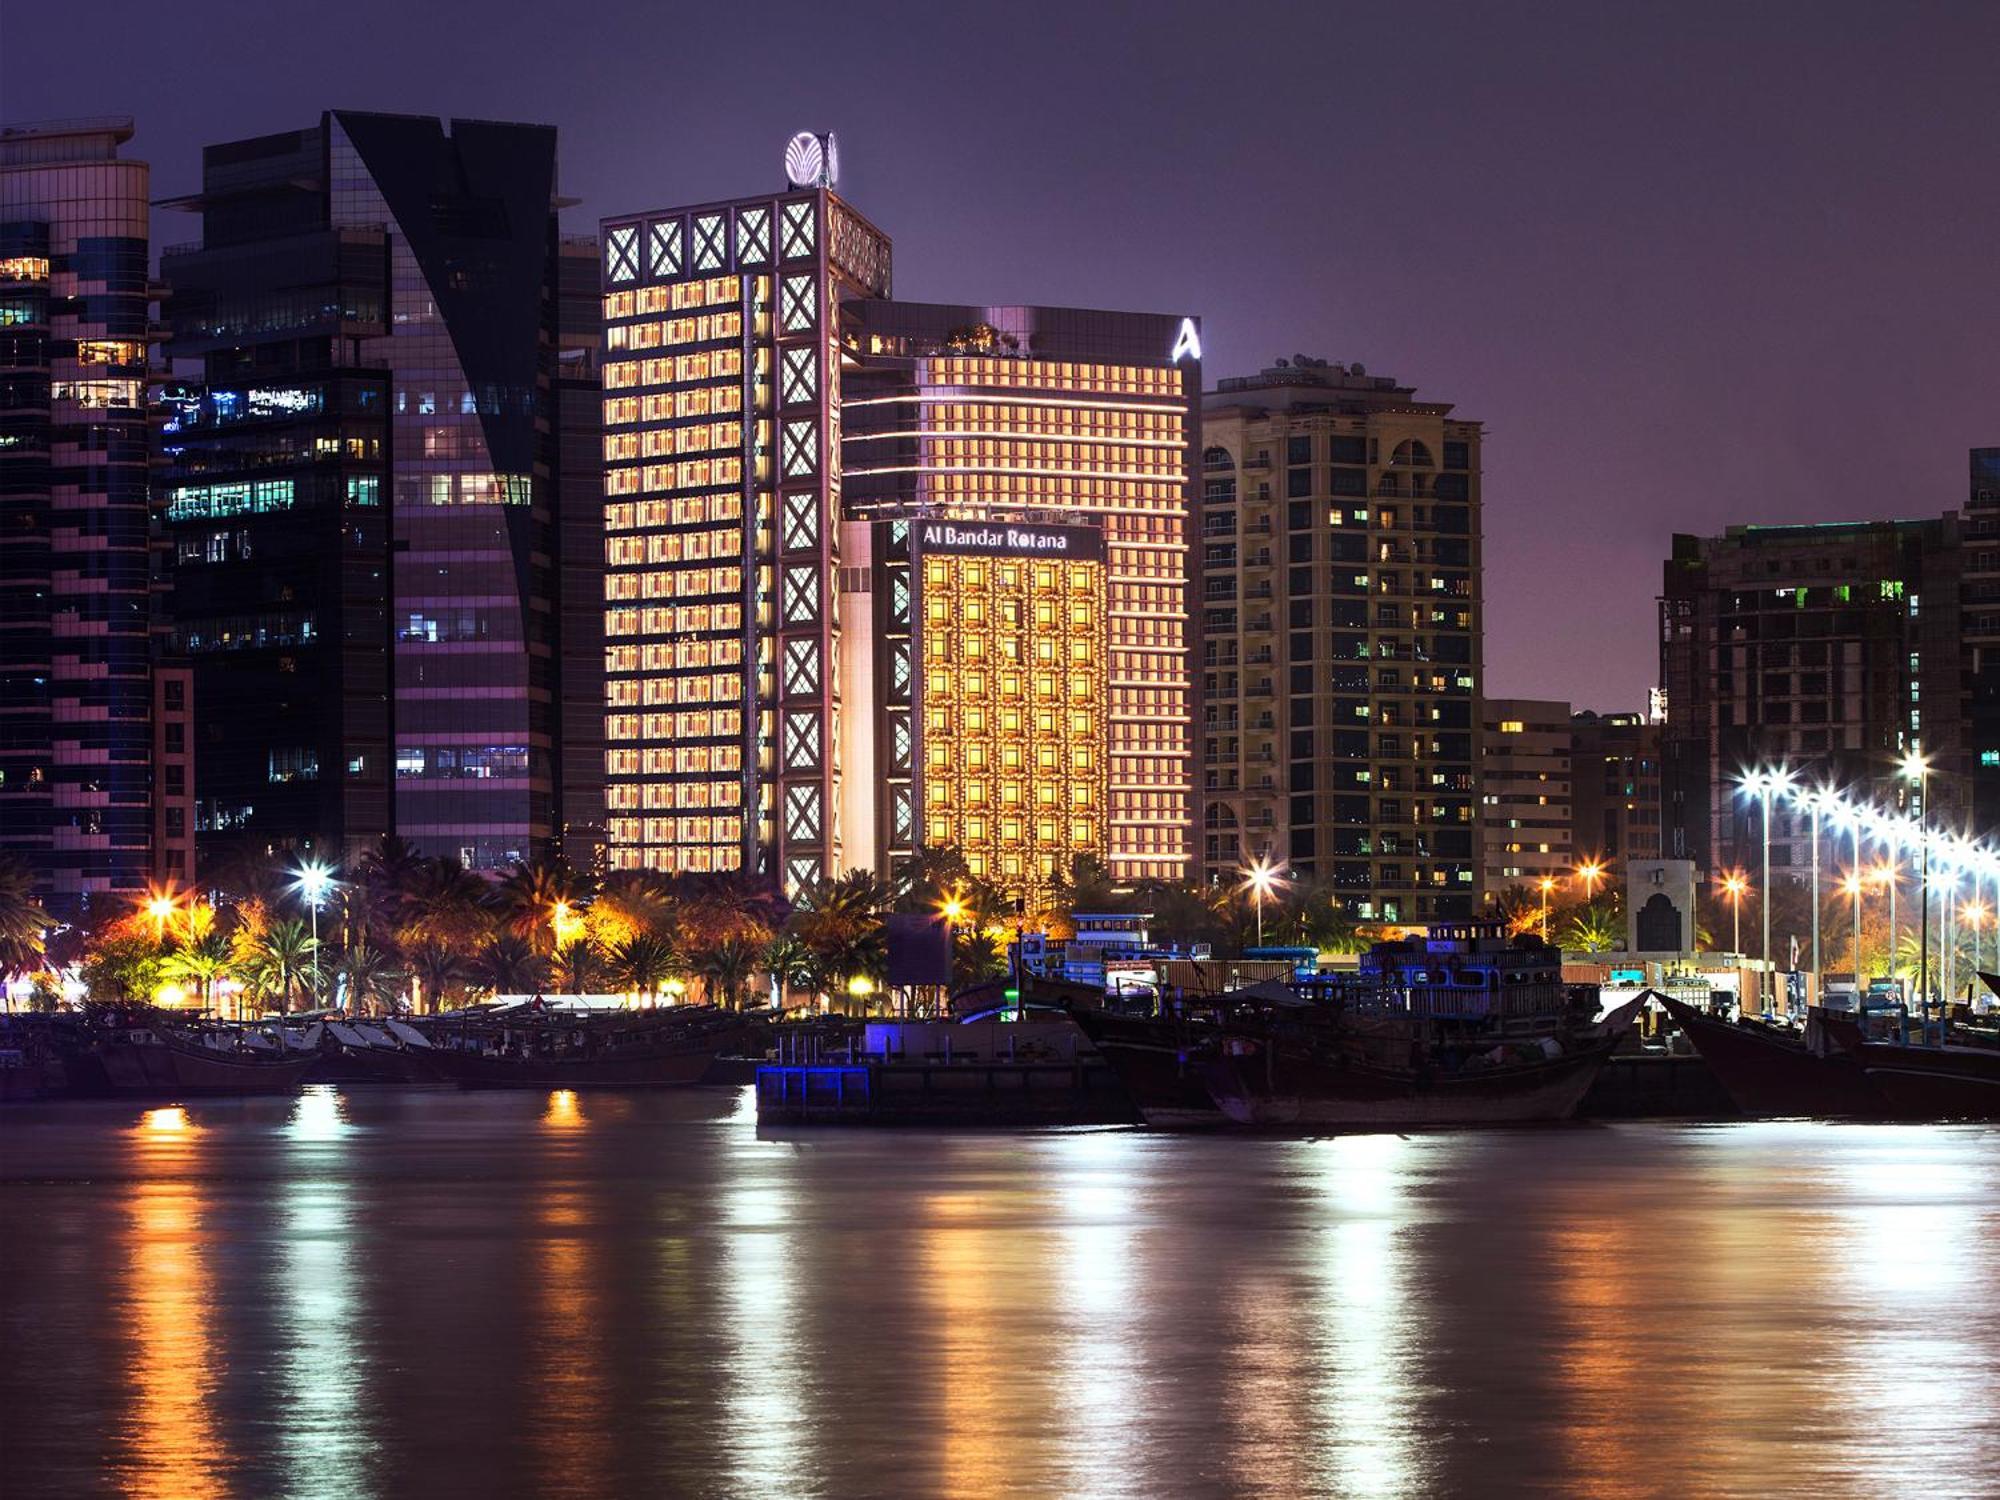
x=373, y=1293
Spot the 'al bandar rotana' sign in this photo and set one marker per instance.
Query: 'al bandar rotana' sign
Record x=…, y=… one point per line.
x=1005, y=539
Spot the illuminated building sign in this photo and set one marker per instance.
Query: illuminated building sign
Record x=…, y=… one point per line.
x=1012, y=749
x=1084, y=543
x=1187, y=343
x=812, y=160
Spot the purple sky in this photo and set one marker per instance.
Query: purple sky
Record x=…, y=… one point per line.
x=1693, y=265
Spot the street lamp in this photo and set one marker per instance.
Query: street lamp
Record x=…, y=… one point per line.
x=1764, y=785
x=313, y=881
x=1815, y=804
x=1548, y=883
x=1733, y=886
x=1590, y=872
x=160, y=908
x=1260, y=879
x=1851, y=886
x=1916, y=768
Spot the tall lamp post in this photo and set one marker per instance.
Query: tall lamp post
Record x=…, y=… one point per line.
x=1851, y=886
x=1260, y=879
x=1733, y=886
x=1547, y=883
x=1814, y=801
x=1916, y=768
x=313, y=882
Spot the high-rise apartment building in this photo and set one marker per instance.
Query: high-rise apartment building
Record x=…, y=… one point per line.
x=1525, y=791
x=1339, y=625
x=803, y=675
x=1614, y=787
x=1831, y=650
x=78, y=802
x=376, y=455
x=1979, y=607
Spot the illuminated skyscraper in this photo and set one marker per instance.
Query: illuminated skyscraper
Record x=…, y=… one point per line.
x=774, y=427
x=79, y=803
x=1340, y=630
x=372, y=469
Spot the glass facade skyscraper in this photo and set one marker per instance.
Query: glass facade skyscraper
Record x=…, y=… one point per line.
x=76, y=720
x=364, y=487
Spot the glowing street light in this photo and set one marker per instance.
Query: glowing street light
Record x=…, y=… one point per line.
x=1850, y=885
x=1547, y=883
x=1261, y=878
x=313, y=882
x=1764, y=785
x=1590, y=872
x=1916, y=767
x=160, y=908
x=1734, y=884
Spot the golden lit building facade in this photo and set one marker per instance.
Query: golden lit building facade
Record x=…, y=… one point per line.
x=1009, y=711
x=775, y=427
x=721, y=374
x=1339, y=620
x=1062, y=416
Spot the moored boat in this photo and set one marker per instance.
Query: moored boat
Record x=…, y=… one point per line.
x=1342, y=1082
x=1773, y=1072
x=1925, y=1079
x=145, y=1060
x=554, y=1050
x=1159, y=1062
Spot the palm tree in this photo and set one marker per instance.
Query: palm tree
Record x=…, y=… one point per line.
x=1591, y=928
x=789, y=962
x=507, y=965
x=643, y=962
x=727, y=966
x=385, y=877
x=528, y=896
x=443, y=904
x=22, y=920
x=369, y=976
x=199, y=963
x=576, y=966
x=439, y=969
x=280, y=960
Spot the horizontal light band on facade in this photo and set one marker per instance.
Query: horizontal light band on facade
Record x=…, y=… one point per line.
x=1016, y=435
x=934, y=397
x=1038, y=473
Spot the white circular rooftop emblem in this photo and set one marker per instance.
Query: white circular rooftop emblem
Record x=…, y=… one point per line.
x=811, y=160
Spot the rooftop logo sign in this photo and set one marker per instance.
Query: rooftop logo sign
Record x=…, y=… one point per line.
x=812, y=160
x=1187, y=343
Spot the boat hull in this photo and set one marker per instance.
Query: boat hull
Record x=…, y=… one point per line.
x=672, y=1065
x=166, y=1068
x=1774, y=1077
x=1294, y=1091
x=1150, y=1058
x=1934, y=1083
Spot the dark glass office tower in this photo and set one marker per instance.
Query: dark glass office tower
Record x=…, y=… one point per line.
x=363, y=486
x=75, y=682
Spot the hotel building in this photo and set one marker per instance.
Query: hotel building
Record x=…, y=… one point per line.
x=1339, y=619
x=793, y=656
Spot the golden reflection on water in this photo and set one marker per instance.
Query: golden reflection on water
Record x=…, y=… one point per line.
x=170, y=1448
x=961, y=1262
x=569, y=1426
x=564, y=1112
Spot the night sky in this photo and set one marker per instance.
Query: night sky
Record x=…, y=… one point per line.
x=1692, y=265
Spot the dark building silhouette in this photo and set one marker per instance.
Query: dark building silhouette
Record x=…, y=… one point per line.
x=1831, y=650
x=1614, y=786
x=373, y=485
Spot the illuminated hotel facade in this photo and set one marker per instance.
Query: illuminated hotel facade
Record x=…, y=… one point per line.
x=790, y=678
